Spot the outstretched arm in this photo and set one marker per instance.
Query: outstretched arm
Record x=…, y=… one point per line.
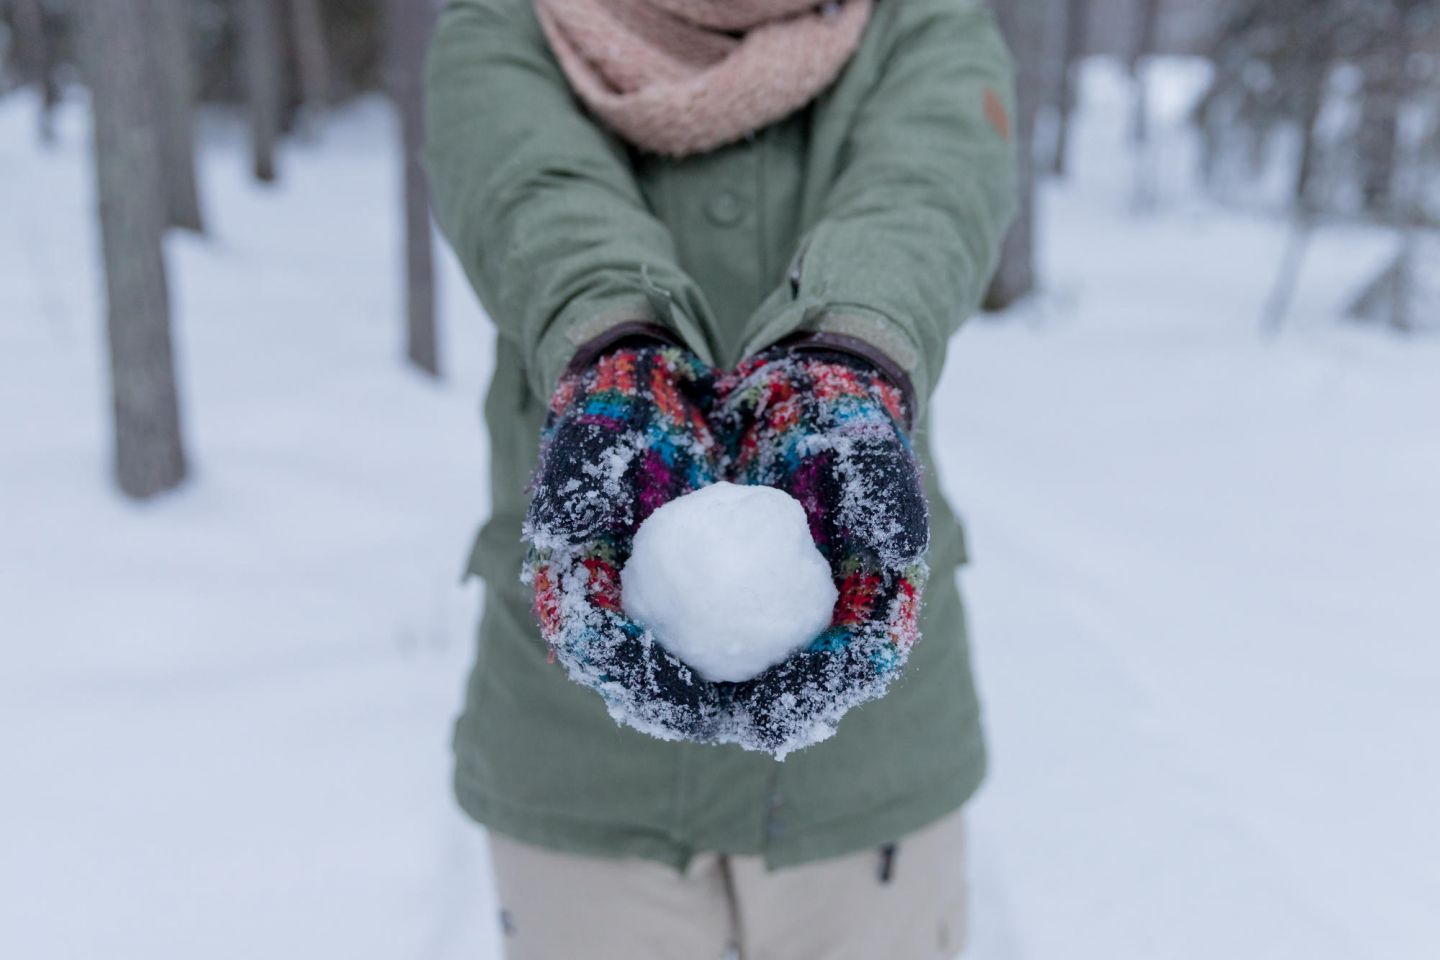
x=910, y=230
x=538, y=201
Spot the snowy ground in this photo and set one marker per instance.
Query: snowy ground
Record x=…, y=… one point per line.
x=1200, y=599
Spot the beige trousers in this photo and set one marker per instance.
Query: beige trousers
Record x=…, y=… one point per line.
x=904, y=903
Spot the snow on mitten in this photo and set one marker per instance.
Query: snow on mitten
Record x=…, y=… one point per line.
x=828, y=428
x=624, y=435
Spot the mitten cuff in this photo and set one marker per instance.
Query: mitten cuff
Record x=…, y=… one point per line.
x=630, y=332
x=864, y=350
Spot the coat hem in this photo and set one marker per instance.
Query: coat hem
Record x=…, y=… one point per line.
x=834, y=837
x=888, y=823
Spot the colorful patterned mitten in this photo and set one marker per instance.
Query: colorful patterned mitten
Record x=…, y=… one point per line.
x=624, y=436
x=827, y=428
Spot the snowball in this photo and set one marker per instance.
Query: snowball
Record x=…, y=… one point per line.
x=728, y=579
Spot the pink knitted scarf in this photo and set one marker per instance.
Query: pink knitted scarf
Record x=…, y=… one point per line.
x=679, y=77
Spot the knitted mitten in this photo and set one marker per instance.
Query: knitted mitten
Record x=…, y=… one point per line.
x=827, y=428
x=624, y=436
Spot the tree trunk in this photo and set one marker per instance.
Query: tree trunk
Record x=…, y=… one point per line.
x=1077, y=33
x=1272, y=321
x=173, y=95
x=312, y=57
x=260, y=48
x=1147, y=22
x=149, y=455
x=35, y=56
x=1025, y=24
x=408, y=27
x=1388, y=298
x=1398, y=295
x=1386, y=85
x=1313, y=99
x=1379, y=136
x=1146, y=28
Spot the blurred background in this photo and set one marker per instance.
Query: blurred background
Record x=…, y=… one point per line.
x=1196, y=440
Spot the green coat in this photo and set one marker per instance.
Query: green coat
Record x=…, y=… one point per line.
x=877, y=212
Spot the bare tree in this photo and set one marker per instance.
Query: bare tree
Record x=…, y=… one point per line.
x=1401, y=296
x=1390, y=297
x=1287, y=279
x=1378, y=137
x=1385, y=65
x=312, y=57
x=260, y=42
x=1147, y=21
x=1311, y=89
x=172, y=81
x=1026, y=25
x=35, y=57
x=408, y=27
x=149, y=455
x=1077, y=32
x=1278, y=68
x=1292, y=45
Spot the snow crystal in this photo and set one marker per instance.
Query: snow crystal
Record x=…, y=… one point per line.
x=728, y=579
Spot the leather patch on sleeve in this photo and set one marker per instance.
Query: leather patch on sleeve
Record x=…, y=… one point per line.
x=996, y=113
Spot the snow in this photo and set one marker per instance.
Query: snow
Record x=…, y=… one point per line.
x=729, y=580
x=224, y=716
x=1202, y=601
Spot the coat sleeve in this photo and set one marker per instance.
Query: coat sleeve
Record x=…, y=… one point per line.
x=538, y=202
x=910, y=230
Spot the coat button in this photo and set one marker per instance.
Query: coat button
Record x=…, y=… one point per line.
x=726, y=208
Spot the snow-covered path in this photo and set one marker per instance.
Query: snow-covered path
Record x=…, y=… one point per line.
x=1200, y=598
x=1210, y=682
x=1201, y=593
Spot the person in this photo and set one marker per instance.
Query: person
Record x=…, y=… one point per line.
x=720, y=239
